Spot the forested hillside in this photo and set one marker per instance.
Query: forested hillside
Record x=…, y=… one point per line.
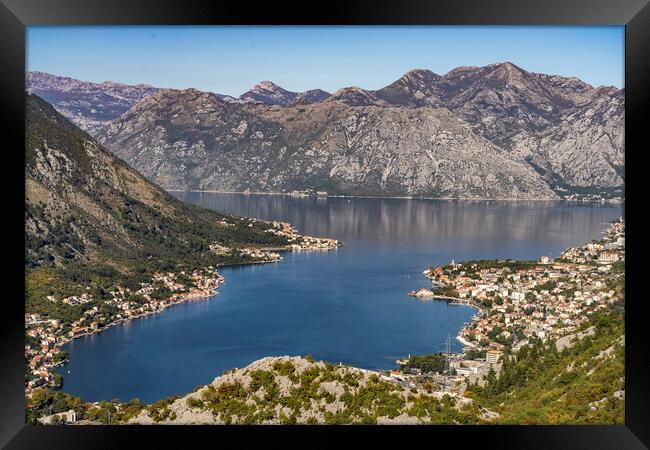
x=92, y=222
x=583, y=383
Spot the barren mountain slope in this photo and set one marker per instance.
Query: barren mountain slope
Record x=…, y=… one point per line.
x=190, y=139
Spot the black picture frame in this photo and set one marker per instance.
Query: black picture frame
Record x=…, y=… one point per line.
x=15, y=15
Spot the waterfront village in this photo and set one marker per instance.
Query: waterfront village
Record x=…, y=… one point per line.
x=602, y=197
x=44, y=336
x=519, y=301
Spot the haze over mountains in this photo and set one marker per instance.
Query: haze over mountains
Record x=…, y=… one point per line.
x=476, y=132
x=87, y=105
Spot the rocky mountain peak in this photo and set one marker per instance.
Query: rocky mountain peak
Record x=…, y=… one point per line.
x=418, y=87
x=461, y=72
x=267, y=86
x=416, y=75
x=269, y=93
x=42, y=80
x=507, y=66
x=184, y=94
x=312, y=96
x=507, y=72
x=354, y=96
x=88, y=105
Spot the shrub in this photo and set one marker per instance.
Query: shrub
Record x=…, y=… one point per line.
x=284, y=368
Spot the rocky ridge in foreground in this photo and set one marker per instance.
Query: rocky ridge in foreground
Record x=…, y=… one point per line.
x=296, y=390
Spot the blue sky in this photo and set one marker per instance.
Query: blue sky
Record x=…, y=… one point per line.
x=229, y=60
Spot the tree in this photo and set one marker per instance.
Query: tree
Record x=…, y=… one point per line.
x=57, y=420
x=427, y=363
x=60, y=403
x=41, y=398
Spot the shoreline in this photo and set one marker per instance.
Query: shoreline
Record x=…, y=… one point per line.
x=124, y=320
x=458, y=302
x=215, y=291
x=182, y=299
x=407, y=197
x=464, y=342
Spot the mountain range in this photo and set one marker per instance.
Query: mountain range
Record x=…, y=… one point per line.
x=88, y=105
x=92, y=220
x=496, y=131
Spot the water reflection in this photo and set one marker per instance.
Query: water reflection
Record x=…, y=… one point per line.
x=388, y=222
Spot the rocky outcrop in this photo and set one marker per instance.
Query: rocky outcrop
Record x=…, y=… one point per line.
x=287, y=390
x=311, y=96
x=585, y=150
x=416, y=88
x=270, y=93
x=355, y=96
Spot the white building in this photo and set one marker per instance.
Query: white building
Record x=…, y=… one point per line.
x=608, y=257
x=466, y=370
x=68, y=417
x=493, y=356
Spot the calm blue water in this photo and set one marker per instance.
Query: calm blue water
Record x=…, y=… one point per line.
x=348, y=305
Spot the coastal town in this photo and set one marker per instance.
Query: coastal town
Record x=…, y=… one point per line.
x=300, y=242
x=520, y=301
x=45, y=336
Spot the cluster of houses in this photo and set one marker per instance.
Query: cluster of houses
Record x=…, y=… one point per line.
x=544, y=300
x=583, y=197
x=73, y=299
x=461, y=368
x=47, y=335
x=314, y=243
x=307, y=193
x=606, y=251
x=300, y=242
x=259, y=254
x=262, y=255
x=225, y=223
x=284, y=229
x=44, y=354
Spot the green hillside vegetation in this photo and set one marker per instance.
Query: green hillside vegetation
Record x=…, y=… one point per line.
x=45, y=402
x=92, y=221
x=471, y=267
x=434, y=362
x=540, y=385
